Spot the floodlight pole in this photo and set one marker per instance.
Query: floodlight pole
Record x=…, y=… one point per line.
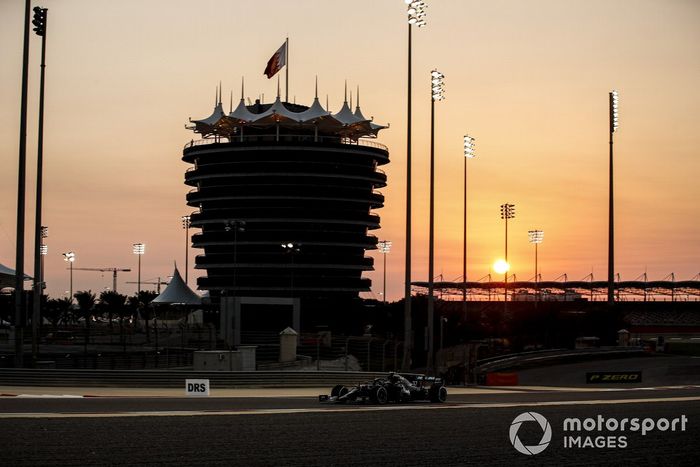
x=41, y=13
x=21, y=179
x=69, y=256
x=139, y=249
x=436, y=94
x=611, y=217
x=407, y=324
x=468, y=154
x=139, y=279
x=416, y=16
x=464, y=245
x=237, y=226
x=507, y=212
x=384, y=281
x=505, y=276
x=431, y=240
x=385, y=246
x=186, y=222
x=537, y=288
x=71, y=281
x=536, y=237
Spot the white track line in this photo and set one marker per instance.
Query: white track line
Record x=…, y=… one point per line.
x=199, y=413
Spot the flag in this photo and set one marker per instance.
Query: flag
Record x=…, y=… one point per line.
x=276, y=62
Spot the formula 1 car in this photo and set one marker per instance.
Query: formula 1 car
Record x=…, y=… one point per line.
x=393, y=388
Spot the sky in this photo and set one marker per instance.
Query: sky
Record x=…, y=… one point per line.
x=529, y=80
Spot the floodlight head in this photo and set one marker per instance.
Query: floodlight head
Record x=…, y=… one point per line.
x=43, y=250
x=469, y=144
x=416, y=12
x=44, y=231
x=614, y=110
x=39, y=21
x=186, y=222
x=438, y=86
x=69, y=256
x=507, y=211
x=535, y=236
x=139, y=248
x=385, y=246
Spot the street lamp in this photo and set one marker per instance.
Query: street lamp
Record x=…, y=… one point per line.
x=237, y=226
x=291, y=248
x=536, y=237
x=39, y=22
x=443, y=320
x=186, y=222
x=507, y=212
x=614, y=104
x=416, y=17
x=139, y=250
x=70, y=257
x=384, y=247
x=469, y=144
x=437, y=94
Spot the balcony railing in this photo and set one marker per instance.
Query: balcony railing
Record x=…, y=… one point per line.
x=287, y=138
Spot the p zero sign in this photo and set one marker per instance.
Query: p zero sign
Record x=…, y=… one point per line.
x=614, y=377
x=197, y=387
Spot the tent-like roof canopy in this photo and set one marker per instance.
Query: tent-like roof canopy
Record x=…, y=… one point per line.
x=177, y=293
x=7, y=277
x=256, y=118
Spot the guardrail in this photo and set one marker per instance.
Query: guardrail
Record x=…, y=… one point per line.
x=176, y=378
x=542, y=358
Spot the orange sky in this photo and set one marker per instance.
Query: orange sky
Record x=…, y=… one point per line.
x=529, y=80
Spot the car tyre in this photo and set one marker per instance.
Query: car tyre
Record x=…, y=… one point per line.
x=438, y=394
x=379, y=395
x=336, y=390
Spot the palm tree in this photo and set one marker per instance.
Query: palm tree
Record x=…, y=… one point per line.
x=140, y=305
x=86, y=304
x=115, y=303
x=57, y=310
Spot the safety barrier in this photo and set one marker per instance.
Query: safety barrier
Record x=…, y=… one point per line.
x=176, y=378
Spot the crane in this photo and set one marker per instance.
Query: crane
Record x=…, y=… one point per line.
x=157, y=283
x=114, y=272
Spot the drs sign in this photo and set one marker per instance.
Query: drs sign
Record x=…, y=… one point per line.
x=197, y=387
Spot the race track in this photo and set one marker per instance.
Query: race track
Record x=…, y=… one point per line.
x=277, y=431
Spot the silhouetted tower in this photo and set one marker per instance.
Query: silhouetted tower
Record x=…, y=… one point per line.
x=290, y=174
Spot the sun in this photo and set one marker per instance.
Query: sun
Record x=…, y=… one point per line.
x=501, y=266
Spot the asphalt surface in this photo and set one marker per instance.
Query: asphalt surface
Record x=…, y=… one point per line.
x=251, y=431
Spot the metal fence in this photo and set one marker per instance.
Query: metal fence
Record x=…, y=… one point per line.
x=174, y=346
x=176, y=379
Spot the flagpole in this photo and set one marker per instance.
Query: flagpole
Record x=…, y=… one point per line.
x=286, y=72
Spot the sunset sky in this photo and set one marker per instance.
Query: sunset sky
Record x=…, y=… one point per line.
x=528, y=79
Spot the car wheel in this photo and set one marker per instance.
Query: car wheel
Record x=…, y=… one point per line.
x=336, y=390
x=438, y=394
x=379, y=395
